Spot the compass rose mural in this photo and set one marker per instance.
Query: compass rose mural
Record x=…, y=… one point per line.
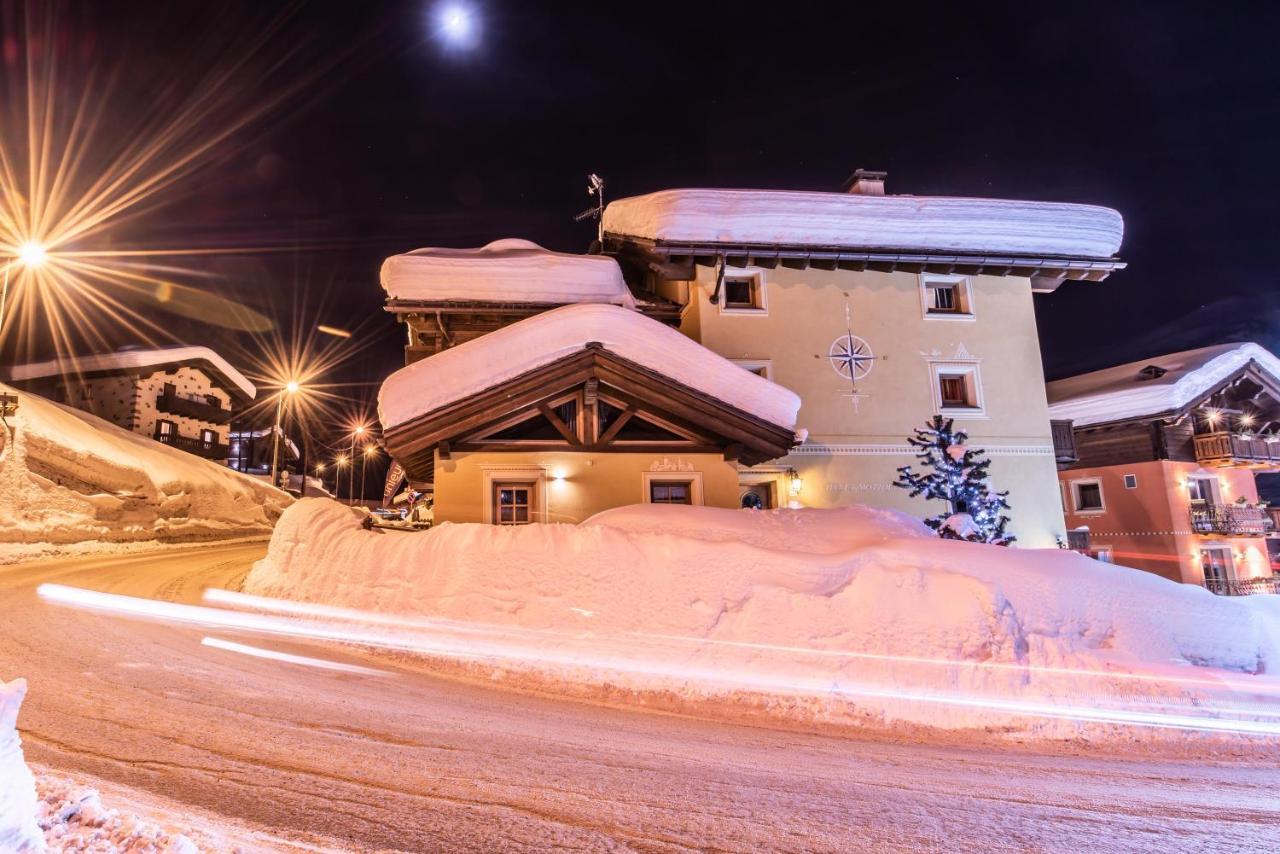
x=851, y=357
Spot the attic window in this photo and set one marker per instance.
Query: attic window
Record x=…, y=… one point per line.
x=1152, y=372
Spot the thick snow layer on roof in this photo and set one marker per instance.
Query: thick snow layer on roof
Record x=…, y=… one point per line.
x=492, y=359
x=1121, y=392
x=70, y=481
x=130, y=359
x=842, y=613
x=511, y=270
x=907, y=223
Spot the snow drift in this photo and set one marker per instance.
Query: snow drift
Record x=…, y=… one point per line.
x=18, y=828
x=816, y=602
x=70, y=480
x=908, y=223
x=505, y=271
x=492, y=359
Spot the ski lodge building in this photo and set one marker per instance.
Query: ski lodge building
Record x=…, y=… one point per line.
x=868, y=313
x=182, y=396
x=1168, y=452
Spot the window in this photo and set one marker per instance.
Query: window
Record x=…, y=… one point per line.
x=742, y=293
x=957, y=389
x=208, y=438
x=670, y=492
x=1203, y=489
x=1088, y=496
x=946, y=296
x=759, y=367
x=1131, y=481
x=1215, y=563
x=513, y=503
x=165, y=431
x=1104, y=554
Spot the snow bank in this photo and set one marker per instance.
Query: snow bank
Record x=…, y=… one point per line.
x=492, y=359
x=1122, y=392
x=910, y=223
x=131, y=359
x=18, y=828
x=815, y=600
x=68, y=477
x=510, y=271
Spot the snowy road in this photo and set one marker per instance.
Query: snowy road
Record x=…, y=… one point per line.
x=410, y=761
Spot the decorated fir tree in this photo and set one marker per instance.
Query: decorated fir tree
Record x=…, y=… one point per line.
x=959, y=477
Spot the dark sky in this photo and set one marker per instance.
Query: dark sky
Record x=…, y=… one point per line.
x=1166, y=112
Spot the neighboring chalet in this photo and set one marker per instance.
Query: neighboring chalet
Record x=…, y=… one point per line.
x=1166, y=450
x=181, y=396
x=250, y=451
x=879, y=311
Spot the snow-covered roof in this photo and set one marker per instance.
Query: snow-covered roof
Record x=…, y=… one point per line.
x=510, y=271
x=909, y=223
x=492, y=359
x=1131, y=391
x=125, y=360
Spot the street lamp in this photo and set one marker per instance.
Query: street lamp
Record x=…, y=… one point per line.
x=369, y=451
x=30, y=255
x=290, y=388
x=351, y=453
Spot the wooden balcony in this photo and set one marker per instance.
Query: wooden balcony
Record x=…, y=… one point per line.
x=199, y=410
x=1228, y=449
x=1064, y=442
x=1238, y=520
x=199, y=447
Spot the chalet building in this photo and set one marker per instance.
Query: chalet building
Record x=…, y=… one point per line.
x=1166, y=454
x=878, y=311
x=250, y=451
x=181, y=396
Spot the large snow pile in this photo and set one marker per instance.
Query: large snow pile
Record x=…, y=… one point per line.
x=814, y=600
x=1126, y=391
x=492, y=359
x=70, y=480
x=510, y=271
x=18, y=828
x=909, y=223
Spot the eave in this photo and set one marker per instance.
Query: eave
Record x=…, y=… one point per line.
x=676, y=260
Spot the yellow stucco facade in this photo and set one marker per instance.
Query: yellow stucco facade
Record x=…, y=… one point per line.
x=990, y=349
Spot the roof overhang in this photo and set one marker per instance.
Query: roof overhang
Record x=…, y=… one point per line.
x=677, y=260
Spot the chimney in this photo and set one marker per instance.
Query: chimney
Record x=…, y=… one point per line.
x=865, y=182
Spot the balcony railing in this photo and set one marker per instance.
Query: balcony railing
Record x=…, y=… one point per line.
x=1228, y=449
x=200, y=410
x=1238, y=519
x=199, y=447
x=1064, y=442
x=1243, y=586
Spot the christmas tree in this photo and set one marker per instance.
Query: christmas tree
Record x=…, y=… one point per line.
x=959, y=477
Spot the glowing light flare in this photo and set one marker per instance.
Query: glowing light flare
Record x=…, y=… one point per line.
x=292, y=387
x=457, y=24
x=370, y=450
x=32, y=254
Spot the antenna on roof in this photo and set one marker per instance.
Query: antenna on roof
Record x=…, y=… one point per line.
x=595, y=187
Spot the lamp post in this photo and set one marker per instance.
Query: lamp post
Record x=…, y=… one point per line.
x=369, y=451
x=351, y=454
x=30, y=255
x=290, y=389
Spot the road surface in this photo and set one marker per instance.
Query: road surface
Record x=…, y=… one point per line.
x=409, y=761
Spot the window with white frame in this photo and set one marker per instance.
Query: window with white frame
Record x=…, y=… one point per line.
x=759, y=367
x=1203, y=488
x=675, y=487
x=1131, y=481
x=1087, y=496
x=957, y=388
x=946, y=296
x=743, y=293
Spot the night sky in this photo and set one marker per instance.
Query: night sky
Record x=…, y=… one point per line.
x=1168, y=114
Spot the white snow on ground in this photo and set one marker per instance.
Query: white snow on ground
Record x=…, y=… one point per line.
x=18, y=828
x=510, y=271
x=128, y=359
x=1120, y=392
x=855, y=603
x=909, y=223
x=71, y=482
x=492, y=359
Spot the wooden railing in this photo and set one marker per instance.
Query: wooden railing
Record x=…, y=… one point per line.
x=1228, y=449
x=1243, y=586
x=200, y=410
x=1239, y=519
x=1064, y=442
x=199, y=447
